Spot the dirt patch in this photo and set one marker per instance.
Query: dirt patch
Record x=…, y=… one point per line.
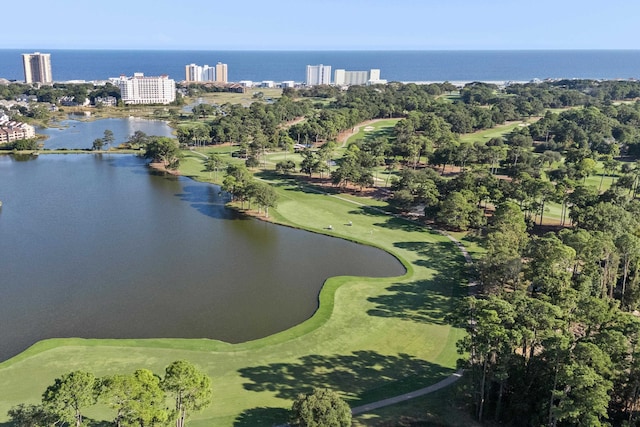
x=162, y=168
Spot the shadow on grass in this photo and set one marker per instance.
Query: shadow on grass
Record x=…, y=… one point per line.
x=258, y=417
x=425, y=300
x=395, y=223
x=363, y=376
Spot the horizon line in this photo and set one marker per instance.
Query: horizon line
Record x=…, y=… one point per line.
x=323, y=49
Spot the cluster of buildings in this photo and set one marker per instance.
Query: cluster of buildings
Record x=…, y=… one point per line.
x=12, y=131
x=321, y=75
x=195, y=73
x=141, y=89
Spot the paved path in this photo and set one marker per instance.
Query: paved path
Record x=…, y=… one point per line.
x=407, y=396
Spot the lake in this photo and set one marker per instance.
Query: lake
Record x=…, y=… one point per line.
x=75, y=134
x=99, y=246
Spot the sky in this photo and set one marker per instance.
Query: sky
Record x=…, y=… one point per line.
x=320, y=24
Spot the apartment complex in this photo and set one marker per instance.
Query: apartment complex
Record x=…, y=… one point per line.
x=12, y=131
x=196, y=73
x=140, y=89
x=221, y=73
x=37, y=67
x=318, y=75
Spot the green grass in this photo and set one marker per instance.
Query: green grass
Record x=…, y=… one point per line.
x=245, y=99
x=378, y=129
x=494, y=132
x=371, y=338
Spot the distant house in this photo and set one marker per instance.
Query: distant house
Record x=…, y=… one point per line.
x=106, y=101
x=237, y=88
x=70, y=101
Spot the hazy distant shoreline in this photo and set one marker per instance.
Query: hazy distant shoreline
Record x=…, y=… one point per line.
x=278, y=66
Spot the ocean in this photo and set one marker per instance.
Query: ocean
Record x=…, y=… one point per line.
x=404, y=66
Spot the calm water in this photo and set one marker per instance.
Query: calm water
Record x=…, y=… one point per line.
x=291, y=65
x=97, y=246
x=81, y=134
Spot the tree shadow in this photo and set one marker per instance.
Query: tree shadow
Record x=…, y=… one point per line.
x=395, y=223
x=209, y=201
x=362, y=376
x=369, y=211
x=425, y=300
x=257, y=417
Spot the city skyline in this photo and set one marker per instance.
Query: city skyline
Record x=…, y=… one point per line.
x=352, y=25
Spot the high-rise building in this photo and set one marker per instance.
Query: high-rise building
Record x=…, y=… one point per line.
x=318, y=75
x=147, y=90
x=208, y=74
x=339, y=77
x=37, y=67
x=196, y=73
x=193, y=73
x=221, y=72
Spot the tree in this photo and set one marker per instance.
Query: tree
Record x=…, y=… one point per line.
x=147, y=405
x=213, y=163
x=264, y=195
x=138, y=139
x=285, y=167
x=119, y=392
x=320, y=408
x=69, y=394
x=164, y=150
x=190, y=388
x=455, y=211
x=108, y=138
x=506, y=239
x=98, y=143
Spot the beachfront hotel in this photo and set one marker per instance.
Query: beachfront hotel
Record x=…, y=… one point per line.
x=318, y=75
x=37, y=67
x=140, y=89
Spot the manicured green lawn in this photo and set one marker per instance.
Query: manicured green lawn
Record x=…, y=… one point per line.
x=494, y=132
x=371, y=338
x=378, y=129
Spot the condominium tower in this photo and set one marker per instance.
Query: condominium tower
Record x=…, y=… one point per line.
x=318, y=75
x=147, y=90
x=196, y=73
x=349, y=78
x=221, y=72
x=37, y=67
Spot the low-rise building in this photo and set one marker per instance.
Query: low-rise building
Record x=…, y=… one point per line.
x=12, y=131
x=105, y=101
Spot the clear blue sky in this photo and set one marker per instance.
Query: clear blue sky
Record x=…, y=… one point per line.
x=320, y=24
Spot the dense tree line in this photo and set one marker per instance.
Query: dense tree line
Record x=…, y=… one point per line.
x=52, y=93
x=138, y=399
x=552, y=340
